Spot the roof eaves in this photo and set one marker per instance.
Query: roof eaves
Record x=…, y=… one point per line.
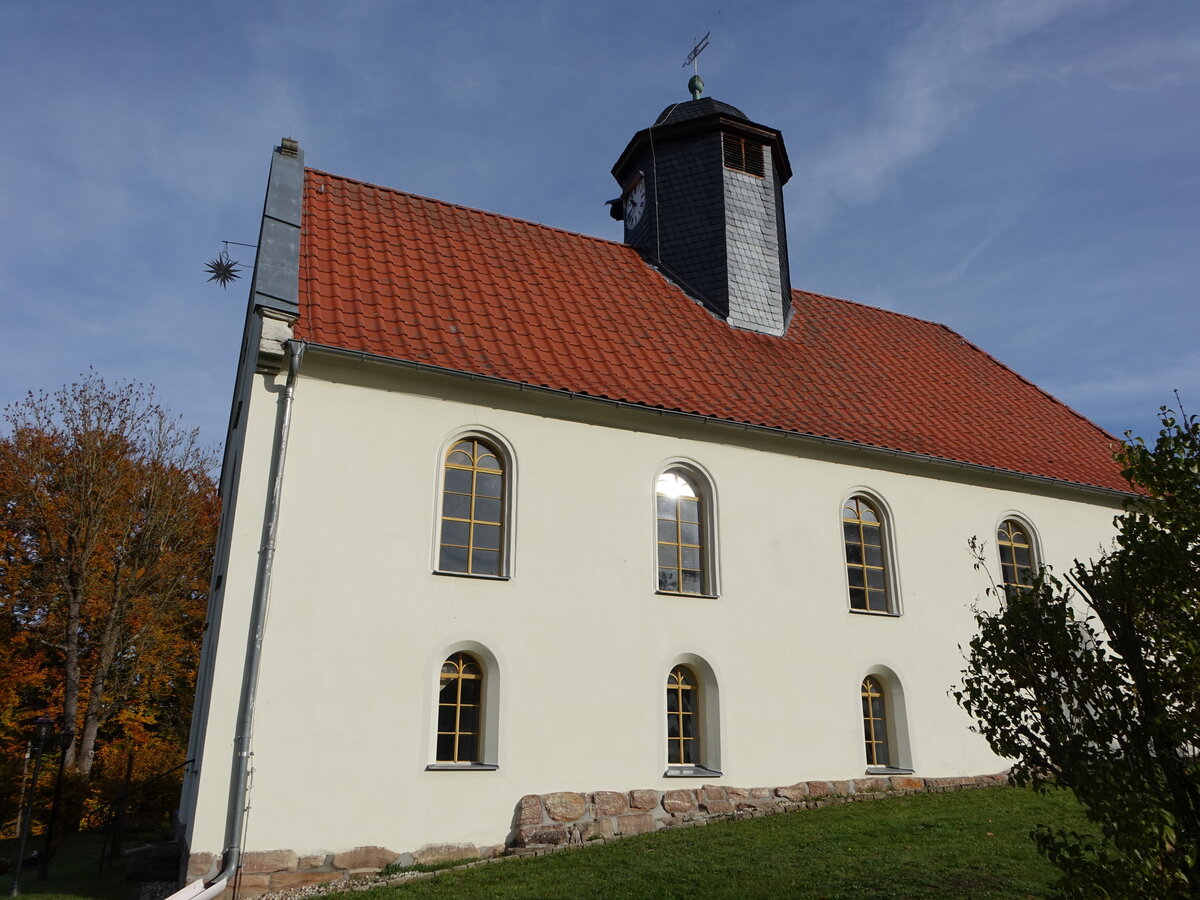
x=823, y=440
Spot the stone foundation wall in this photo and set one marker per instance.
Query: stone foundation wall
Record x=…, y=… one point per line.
x=547, y=822
x=565, y=818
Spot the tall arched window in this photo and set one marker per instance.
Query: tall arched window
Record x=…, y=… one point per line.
x=684, y=532
x=866, y=556
x=1016, y=554
x=875, y=730
x=473, y=510
x=683, y=706
x=460, y=710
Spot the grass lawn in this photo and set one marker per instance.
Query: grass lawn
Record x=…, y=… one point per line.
x=967, y=844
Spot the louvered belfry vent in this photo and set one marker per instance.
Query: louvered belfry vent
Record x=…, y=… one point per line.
x=744, y=155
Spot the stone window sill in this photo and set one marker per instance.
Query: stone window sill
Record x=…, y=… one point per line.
x=471, y=575
x=887, y=770
x=690, y=772
x=689, y=596
x=874, y=613
x=461, y=767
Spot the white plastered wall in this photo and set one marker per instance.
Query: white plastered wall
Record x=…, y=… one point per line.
x=358, y=624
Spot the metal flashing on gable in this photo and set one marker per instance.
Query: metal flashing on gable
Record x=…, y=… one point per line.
x=277, y=271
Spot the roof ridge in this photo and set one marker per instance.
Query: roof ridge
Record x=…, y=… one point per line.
x=471, y=209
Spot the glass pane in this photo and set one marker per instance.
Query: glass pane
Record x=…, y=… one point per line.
x=689, y=753
x=667, y=531
x=468, y=748
x=674, y=753
x=461, y=454
x=689, y=534
x=877, y=707
x=673, y=726
x=688, y=700
x=689, y=510
x=850, y=533
x=458, y=480
x=668, y=580
x=668, y=555
x=445, y=718
x=453, y=559
x=866, y=513
x=488, y=461
x=850, y=511
x=1006, y=554
x=875, y=579
x=672, y=700
x=854, y=554
x=471, y=690
x=691, y=558
x=693, y=583
x=449, y=689
x=872, y=535
x=457, y=506
x=856, y=577
x=487, y=537
x=881, y=755
x=488, y=485
x=666, y=507
x=468, y=719
x=485, y=562
x=1023, y=557
x=875, y=556
x=487, y=510
x=445, y=748
x=858, y=598
x=878, y=601
x=455, y=532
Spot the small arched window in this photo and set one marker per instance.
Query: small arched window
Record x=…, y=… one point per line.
x=1016, y=554
x=866, y=556
x=684, y=533
x=473, y=510
x=683, y=705
x=460, y=710
x=875, y=726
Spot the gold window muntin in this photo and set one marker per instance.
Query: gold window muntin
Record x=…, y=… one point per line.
x=682, y=539
x=1016, y=554
x=874, y=711
x=865, y=539
x=683, y=718
x=460, y=710
x=472, y=533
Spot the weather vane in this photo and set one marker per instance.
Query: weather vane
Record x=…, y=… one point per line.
x=223, y=269
x=696, y=83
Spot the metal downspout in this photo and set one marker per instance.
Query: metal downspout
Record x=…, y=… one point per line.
x=235, y=817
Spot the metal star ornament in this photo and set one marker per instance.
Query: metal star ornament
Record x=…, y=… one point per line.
x=224, y=270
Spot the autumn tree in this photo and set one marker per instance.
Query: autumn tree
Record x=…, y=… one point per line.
x=1093, y=684
x=108, y=518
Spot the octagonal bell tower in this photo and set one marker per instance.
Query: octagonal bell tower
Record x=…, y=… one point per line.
x=702, y=198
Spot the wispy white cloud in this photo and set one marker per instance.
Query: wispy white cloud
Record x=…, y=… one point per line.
x=933, y=81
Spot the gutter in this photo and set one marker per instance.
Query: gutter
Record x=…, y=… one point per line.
x=841, y=443
x=239, y=789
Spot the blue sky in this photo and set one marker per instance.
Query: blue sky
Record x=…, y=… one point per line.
x=1025, y=172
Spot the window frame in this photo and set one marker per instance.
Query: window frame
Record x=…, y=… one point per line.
x=895, y=721
x=702, y=484
x=1032, y=544
x=706, y=718
x=891, y=583
x=487, y=748
x=504, y=455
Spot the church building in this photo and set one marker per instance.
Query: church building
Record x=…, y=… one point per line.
x=512, y=512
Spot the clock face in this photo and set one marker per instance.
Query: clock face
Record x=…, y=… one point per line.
x=635, y=204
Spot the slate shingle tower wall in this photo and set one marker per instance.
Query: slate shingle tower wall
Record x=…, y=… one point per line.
x=716, y=230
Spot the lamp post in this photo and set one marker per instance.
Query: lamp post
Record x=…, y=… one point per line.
x=42, y=728
x=65, y=738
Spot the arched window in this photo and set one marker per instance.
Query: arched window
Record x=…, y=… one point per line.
x=460, y=709
x=473, y=510
x=866, y=556
x=875, y=727
x=684, y=529
x=683, y=721
x=1016, y=554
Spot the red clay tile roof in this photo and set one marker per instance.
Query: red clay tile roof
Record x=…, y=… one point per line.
x=410, y=278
